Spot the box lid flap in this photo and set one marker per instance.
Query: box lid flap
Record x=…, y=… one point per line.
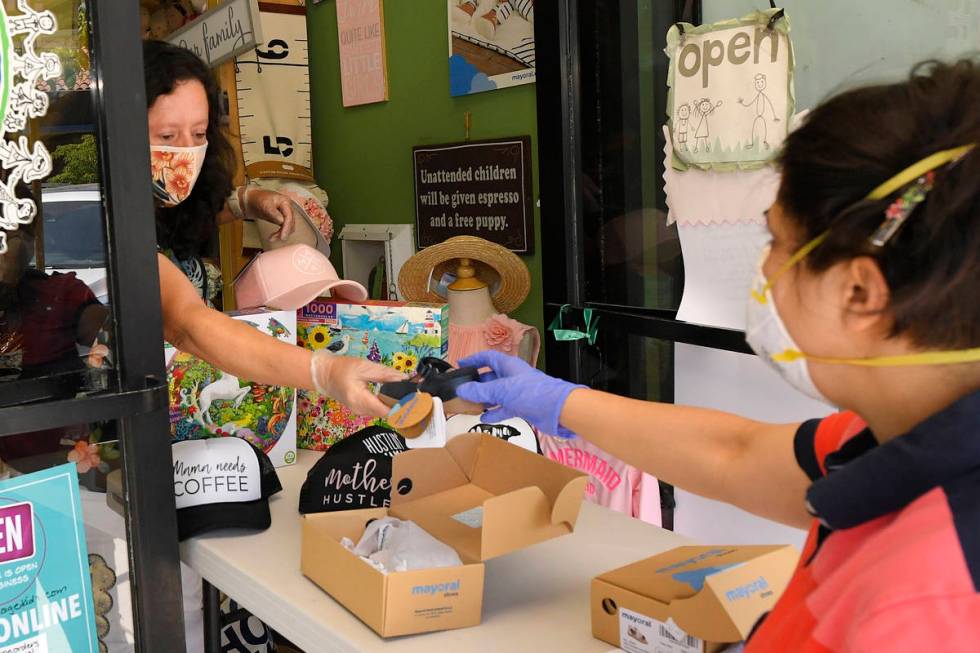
x=484, y=496
x=716, y=593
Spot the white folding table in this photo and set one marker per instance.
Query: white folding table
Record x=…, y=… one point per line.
x=536, y=599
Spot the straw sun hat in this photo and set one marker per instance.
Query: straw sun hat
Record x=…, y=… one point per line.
x=500, y=269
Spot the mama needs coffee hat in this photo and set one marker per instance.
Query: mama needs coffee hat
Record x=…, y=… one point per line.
x=221, y=483
x=355, y=473
x=291, y=277
x=499, y=268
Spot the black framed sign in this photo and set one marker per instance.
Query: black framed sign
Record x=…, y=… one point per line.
x=475, y=188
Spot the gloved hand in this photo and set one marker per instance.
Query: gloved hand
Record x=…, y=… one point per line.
x=345, y=379
x=518, y=390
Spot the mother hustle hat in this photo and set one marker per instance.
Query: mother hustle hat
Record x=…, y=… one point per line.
x=291, y=277
x=498, y=267
x=221, y=483
x=354, y=473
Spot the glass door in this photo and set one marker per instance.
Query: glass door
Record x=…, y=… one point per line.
x=81, y=358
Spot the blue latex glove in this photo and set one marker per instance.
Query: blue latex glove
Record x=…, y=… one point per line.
x=517, y=390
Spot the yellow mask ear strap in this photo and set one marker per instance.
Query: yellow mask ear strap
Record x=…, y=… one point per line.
x=801, y=253
x=918, y=169
x=922, y=358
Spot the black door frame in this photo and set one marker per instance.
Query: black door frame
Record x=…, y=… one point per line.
x=137, y=396
x=565, y=59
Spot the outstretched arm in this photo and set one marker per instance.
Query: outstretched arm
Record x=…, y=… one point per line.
x=718, y=455
x=235, y=347
x=771, y=108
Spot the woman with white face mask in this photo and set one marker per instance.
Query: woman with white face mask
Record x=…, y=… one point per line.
x=191, y=162
x=868, y=298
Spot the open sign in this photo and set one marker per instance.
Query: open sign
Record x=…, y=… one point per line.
x=731, y=94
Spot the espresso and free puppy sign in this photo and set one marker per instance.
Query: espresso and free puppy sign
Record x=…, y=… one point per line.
x=216, y=470
x=475, y=188
x=355, y=473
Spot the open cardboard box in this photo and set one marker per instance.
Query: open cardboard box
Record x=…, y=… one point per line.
x=690, y=599
x=482, y=496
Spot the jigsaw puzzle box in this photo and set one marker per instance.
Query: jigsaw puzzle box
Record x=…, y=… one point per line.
x=206, y=402
x=396, y=334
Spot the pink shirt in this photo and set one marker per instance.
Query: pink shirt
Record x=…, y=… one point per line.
x=612, y=483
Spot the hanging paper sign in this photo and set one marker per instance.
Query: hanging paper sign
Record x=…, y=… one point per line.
x=363, y=68
x=222, y=33
x=21, y=100
x=477, y=188
x=45, y=584
x=273, y=86
x=731, y=91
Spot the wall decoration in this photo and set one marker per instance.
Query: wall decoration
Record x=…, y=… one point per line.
x=19, y=101
x=491, y=45
x=273, y=86
x=222, y=33
x=46, y=593
x=731, y=91
x=476, y=188
x=363, y=66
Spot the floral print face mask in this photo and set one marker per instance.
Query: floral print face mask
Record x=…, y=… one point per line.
x=174, y=170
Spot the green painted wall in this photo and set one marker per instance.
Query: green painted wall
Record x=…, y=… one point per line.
x=363, y=155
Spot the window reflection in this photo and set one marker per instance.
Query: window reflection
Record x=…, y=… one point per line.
x=55, y=318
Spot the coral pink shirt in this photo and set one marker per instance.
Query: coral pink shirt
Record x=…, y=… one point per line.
x=892, y=563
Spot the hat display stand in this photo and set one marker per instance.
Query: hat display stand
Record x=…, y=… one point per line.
x=482, y=282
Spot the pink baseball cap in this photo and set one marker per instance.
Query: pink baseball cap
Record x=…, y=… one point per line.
x=291, y=277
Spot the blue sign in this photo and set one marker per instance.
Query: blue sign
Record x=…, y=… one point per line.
x=45, y=586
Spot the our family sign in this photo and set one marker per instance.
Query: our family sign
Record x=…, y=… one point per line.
x=731, y=90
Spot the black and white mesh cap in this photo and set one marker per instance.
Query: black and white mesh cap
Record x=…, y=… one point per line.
x=222, y=483
x=354, y=473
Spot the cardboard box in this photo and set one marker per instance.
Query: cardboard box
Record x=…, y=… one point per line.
x=206, y=402
x=692, y=599
x=397, y=334
x=480, y=495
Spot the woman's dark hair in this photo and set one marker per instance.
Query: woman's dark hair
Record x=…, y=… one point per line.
x=187, y=227
x=855, y=141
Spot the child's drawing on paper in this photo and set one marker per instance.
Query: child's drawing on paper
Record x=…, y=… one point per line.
x=681, y=125
x=702, y=109
x=760, y=129
x=730, y=91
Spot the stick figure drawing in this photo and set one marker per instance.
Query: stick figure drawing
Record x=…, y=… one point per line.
x=681, y=125
x=702, y=109
x=760, y=129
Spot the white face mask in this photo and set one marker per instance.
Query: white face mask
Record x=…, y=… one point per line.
x=175, y=171
x=768, y=337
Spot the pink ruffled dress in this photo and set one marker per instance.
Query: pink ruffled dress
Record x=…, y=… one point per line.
x=498, y=332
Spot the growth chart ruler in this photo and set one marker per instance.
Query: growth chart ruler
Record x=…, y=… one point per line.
x=273, y=86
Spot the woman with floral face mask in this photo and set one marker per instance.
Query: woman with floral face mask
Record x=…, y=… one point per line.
x=192, y=165
x=191, y=162
x=869, y=298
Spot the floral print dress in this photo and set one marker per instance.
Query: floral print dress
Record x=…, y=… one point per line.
x=499, y=332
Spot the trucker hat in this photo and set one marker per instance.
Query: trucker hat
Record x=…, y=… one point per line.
x=291, y=277
x=354, y=473
x=221, y=483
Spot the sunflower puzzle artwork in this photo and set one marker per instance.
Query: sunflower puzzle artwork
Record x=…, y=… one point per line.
x=206, y=402
x=396, y=334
